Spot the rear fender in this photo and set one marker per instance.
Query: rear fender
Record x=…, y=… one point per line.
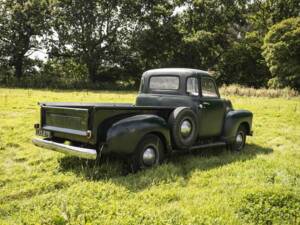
x=233, y=120
x=124, y=135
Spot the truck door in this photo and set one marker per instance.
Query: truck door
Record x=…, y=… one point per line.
x=211, y=109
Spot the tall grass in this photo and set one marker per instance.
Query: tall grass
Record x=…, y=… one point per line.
x=239, y=90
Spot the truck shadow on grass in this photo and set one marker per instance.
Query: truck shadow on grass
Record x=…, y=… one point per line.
x=177, y=166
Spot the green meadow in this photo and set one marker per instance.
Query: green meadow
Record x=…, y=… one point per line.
x=260, y=185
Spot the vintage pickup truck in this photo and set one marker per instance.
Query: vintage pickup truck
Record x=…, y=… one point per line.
x=176, y=110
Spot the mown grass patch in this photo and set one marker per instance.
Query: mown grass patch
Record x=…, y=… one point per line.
x=260, y=185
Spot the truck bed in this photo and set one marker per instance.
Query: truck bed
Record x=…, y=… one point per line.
x=76, y=121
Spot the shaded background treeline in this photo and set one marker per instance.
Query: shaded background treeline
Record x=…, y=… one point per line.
x=108, y=43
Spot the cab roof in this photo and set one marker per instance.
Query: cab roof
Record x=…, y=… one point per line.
x=175, y=71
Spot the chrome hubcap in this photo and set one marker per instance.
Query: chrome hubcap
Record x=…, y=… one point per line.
x=185, y=128
x=239, y=139
x=149, y=156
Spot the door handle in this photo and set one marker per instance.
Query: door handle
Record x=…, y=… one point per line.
x=204, y=105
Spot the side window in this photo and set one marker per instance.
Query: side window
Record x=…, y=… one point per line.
x=192, y=87
x=208, y=88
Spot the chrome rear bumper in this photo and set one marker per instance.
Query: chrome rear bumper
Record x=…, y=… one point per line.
x=66, y=149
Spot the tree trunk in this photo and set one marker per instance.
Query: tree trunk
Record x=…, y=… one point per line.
x=18, y=64
x=92, y=69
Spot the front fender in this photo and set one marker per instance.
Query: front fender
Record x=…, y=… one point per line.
x=124, y=135
x=233, y=120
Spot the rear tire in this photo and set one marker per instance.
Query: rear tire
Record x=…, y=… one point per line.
x=184, y=127
x=239, y=140
x=149, y=153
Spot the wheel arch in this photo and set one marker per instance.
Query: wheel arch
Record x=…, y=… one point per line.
x=233, y=120
x=246, y=126
x=124, y=136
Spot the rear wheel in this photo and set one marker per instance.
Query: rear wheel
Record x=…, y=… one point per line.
x=239, y=140
x=149, y=153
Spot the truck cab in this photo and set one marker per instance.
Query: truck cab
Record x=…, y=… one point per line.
x=176, y=109
x=195, y=89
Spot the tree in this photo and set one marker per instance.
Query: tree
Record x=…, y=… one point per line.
x=209, y=28
x=22, y=23
x=155, y=39
x=265, y=13
x=281, y=51
x=244, y=64
x=89, y=31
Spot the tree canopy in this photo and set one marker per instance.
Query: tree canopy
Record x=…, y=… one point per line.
x=22, y=25
x=93, y=43
x=282, y=53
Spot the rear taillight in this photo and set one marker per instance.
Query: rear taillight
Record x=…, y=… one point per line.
x=89, y=134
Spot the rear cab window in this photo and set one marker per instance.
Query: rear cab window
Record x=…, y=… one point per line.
x=164, y=82
x=208, y=88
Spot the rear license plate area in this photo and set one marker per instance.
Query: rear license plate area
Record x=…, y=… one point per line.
x=43, y=133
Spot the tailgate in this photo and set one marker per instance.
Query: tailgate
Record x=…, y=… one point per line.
x=65, y=120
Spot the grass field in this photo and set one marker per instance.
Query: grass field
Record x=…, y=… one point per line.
x=260, y=185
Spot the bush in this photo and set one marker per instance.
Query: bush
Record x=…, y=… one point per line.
x=66, y=74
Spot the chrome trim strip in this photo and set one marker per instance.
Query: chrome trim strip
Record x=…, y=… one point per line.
x=65, y=130
x=66, y=108
x=66, y=149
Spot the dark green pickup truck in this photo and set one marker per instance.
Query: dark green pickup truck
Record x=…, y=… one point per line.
x=175, y=110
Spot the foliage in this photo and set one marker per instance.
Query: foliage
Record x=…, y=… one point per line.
x=208, y=28
x=211, y=186
x=58, y=71
x=282, y=52
x=21, y=23
x=265, y=13
x=244, y=64
x=155, y=37
x=118, y=40
x=89, y=31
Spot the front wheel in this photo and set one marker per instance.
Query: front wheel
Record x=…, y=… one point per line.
x=239, y=140
x=149, y=153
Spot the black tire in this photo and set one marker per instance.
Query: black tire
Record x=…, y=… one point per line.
x=176, y=119
x=149, y=142
x=239, y=139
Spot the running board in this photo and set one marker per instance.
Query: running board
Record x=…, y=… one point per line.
x=215, y=144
